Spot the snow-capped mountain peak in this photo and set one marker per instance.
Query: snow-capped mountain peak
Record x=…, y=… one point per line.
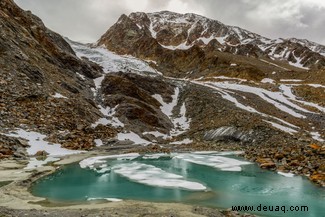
x=175, y=31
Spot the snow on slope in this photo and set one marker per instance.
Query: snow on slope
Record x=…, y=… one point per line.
x=284, y=100
x=37, y=143
x=198, y=30
x=181, y=122
x=110, y=61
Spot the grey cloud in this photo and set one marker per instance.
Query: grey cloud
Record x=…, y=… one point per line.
x=88, y=19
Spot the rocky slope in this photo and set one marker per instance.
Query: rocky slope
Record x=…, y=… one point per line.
x=44, y=86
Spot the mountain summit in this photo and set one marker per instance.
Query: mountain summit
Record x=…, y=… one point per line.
x=153, y=35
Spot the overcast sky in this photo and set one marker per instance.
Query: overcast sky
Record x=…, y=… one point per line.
x=87, y=20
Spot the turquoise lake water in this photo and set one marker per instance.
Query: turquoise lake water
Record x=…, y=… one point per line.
x=199, y=182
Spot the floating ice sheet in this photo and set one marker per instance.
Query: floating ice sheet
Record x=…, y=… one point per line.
x=153, y=176
x=105, y=198
x=94, y=162
x=219, y=162
x=289, y=175
x=155, y=156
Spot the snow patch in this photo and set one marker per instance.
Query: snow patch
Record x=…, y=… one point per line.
x=274, y=64
x=110, y=61
x=81, y=76
x=181, y=123
x=281, y=127
x=157, y=134
x=37, y=143
x=267, y=80
x=291, y=80
x=276, y=98
x=98, y=142
x=109, y=118
x=167, y=108
x=59, y=96
x=317, y=136
x=184, y=141
x=131, y=136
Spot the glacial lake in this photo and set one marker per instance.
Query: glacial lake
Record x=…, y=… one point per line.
x=218, y=180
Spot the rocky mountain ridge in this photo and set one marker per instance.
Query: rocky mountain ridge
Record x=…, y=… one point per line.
x=163, y=35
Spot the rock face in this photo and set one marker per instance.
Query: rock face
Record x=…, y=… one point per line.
x=131, y=96
x=189, y=42
x=44, y=85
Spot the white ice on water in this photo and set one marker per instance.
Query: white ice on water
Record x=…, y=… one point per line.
x=154, y=176
x=99, y=161
x=288, y=175
x=110, y=199
x=219, y=162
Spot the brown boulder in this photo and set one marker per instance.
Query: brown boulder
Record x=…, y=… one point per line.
x=41, y=153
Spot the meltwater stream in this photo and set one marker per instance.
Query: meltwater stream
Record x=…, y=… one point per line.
x=208, y=179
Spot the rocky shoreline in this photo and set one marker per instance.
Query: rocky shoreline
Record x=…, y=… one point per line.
x=300, y=160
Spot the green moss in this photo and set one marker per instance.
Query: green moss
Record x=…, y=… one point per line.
x=4, y=183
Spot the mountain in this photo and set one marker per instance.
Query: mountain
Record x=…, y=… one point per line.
x=162, y=82
x=166, y=36
x=44, y=87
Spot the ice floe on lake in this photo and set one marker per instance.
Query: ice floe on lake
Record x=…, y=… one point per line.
x=219, y=162
x=94, y=162
x=154, y=176
x=289, y=175
x=147, y=174
x=104, y=198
